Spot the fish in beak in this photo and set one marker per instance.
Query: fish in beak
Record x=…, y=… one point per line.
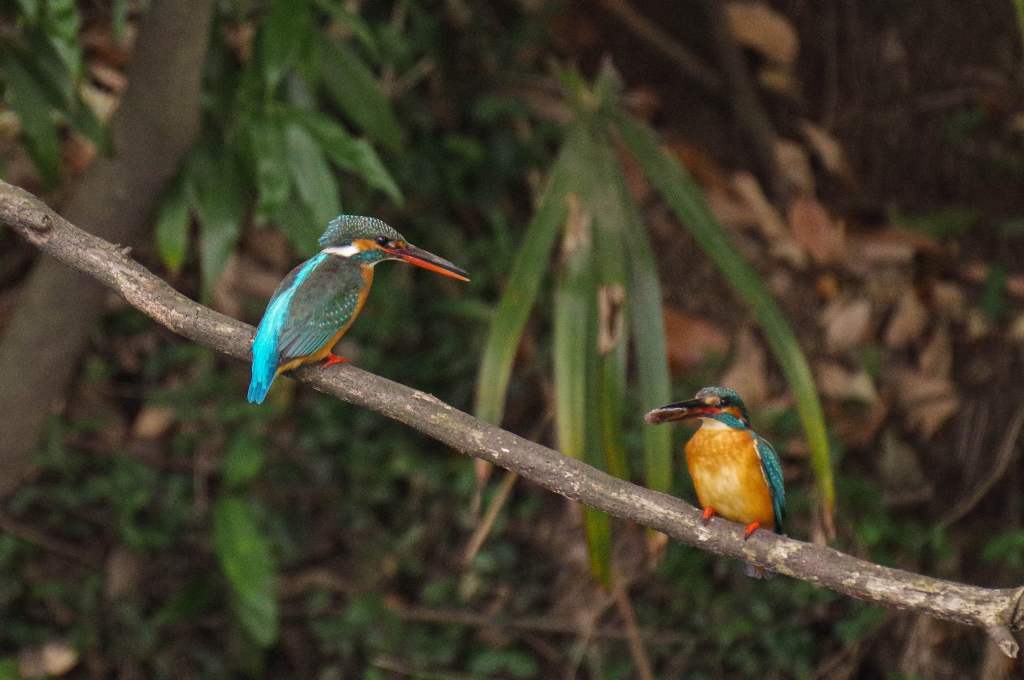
x=682, y=410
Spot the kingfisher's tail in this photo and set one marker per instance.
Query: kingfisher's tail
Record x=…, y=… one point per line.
x=259, y=385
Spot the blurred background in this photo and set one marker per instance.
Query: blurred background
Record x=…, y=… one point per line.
x=815, y=202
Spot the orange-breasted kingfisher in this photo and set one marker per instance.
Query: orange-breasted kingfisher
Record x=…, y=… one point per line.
x=318, y=301
x=735, y=471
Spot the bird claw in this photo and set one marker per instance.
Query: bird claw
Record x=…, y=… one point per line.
x=750, y=529
x=708, y=514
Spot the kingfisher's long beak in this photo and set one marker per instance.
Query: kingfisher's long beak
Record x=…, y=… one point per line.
x=427, y=260
x=681, y=410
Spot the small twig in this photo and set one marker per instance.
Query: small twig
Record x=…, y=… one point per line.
x=483, y=529
x=1004, y=458
x=37, y=538
x=690, y=64
x=534, y=624
x=636, y=643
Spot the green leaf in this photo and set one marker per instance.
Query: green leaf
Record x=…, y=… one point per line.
x=575, y=363
x=118, y=19
x=686, y=201
x=29, y=101
x=244, y=459
x=532, y=263
x=352, y=87
x=9, y=669
x=282, y=36
x=244, y=556
x=218, y=197
x=29, y=9
x=311, y=176
x=348, y=152
x=172, y=223
x=61, y=23
x=268, y=157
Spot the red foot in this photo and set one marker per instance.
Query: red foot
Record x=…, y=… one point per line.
x=751, y=528
x=333, y=358
x=708, y=514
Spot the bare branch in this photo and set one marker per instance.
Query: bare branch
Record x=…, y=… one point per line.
x=996, y=610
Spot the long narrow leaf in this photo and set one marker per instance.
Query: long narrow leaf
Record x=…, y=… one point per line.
x=686, y=200
x=351, y=85
x=216, y=193
x=532, y=263
x=574, y=365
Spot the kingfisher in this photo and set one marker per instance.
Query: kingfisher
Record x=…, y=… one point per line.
x=317, y=301
x=735, y=471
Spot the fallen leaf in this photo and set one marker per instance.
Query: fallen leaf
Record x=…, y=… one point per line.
x=814, y=229
x=1016, y=330
x=54, y=658
x=936, y=358
x=978, y=325
x=891, y=246
x=690, y=340
x=907, y=322
x=846, y=323
x=636, y=180
x=152, y=422
x=699, y=163
x=948, y=300
x=828, y=151
x=837, y=382
x=928, y=401
x=780, y=80
x=781, y=243
x=795, y=166
x=900, y=472
x=746, y=374
x=761, y=28
x=731, y=210
x=123, y=573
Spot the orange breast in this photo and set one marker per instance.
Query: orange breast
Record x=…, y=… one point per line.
x=727, y=475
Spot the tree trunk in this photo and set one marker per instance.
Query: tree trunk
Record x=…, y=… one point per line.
x=58, y=307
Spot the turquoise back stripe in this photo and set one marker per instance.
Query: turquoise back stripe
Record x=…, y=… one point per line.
x=264, y=348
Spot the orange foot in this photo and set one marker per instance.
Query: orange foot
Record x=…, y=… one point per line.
x=333, y=358
x=751, y=528
x=709, y=512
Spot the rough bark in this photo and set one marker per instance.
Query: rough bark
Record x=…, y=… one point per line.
x=58, y=307
x=998, y=611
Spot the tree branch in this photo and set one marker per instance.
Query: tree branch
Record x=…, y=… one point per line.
x=998, y=611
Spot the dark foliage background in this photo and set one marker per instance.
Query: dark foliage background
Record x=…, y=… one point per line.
x=168, y=529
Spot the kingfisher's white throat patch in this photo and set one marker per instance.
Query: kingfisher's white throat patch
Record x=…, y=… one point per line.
x=344, y=251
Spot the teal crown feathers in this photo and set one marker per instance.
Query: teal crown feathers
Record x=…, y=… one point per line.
x=345, y=228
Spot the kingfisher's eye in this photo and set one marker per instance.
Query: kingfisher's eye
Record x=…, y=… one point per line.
x=382, y=240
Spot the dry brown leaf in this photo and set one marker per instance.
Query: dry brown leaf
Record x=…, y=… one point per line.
x=699, y=163
x=636, y=180
x=610, y=317
x=828, y=150
x=948, y=300
x=781, y=244
x=927, y=401
x=846, y=323
x=761, y=28
x=814, y=229
x=836, y=382
x=936, y=357
x=123, y=573
x=892, y=246
x=780, y=80
x=731, y=210
x=1016, y=330
x=795, y=166
x=689, y=339
x=746, y=374
x=908, y=320
x=978, y=324
x=900, y=471
x=53, y=659
x=152, y=422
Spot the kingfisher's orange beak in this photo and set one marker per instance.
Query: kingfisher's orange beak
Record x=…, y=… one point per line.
x=682, y=410
x=427, y=260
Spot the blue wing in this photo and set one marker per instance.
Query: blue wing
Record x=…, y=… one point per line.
x=266, y=351
x=772, y=470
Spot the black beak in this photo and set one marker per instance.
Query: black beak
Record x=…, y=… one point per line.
x=427, y=260
x=681, y=410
